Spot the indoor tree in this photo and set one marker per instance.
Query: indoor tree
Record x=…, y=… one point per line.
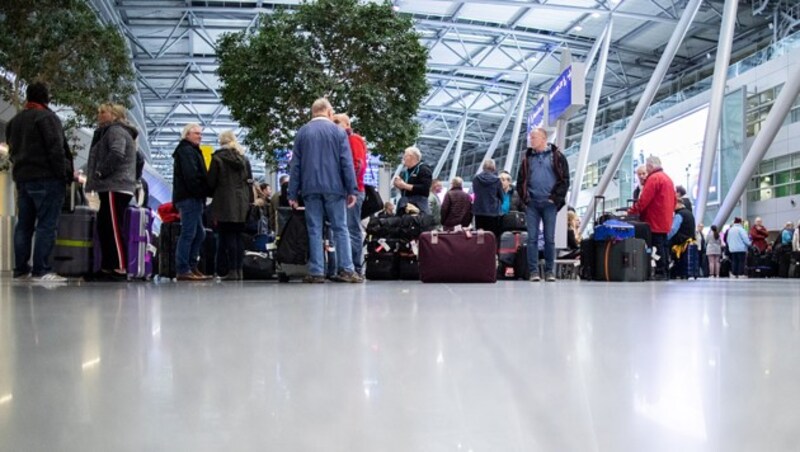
x=365, y=58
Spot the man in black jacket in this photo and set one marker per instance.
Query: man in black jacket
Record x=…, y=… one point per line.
x=414, y=182
x=542, y=183
x=42, y=166
x=189, y=192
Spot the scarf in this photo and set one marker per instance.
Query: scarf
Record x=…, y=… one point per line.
x=35, y=106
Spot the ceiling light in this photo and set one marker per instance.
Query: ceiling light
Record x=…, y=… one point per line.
x=595, y=15
x=577, y=28
x=708, y=56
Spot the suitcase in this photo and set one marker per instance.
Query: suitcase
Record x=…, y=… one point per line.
x=458, y=257
x=513, y=255
x=614, y=230
x=257, y=266
x=513, y=221
x=625, y=260
x=381, y=260
x=167, y=244
x=759, y=265
x=74, y=250
x=588, y=253
x=725, y=268
x=139, y=246
x=407, y=262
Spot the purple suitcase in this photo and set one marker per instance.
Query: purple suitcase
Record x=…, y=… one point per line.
x=140, y=249
x=458, y=257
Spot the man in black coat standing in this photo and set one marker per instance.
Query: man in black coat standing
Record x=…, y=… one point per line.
x=42, y=166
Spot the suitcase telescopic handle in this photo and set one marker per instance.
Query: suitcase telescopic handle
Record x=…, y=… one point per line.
x=598, y=212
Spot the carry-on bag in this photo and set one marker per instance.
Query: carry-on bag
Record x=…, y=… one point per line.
x=372, y=202
x=74, y=250
x=457, y=257
x=257, y=265
x=614, y=230
x=381, y=260
x=625, y=260
x=139, y=246
x=513, y=255
x=407, y=261
x=588, y=259
x=513, y=221
x=167, y=244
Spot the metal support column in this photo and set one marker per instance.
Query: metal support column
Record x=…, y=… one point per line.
x=591, y=115
x=780, y=109
x=448, y=148
x=647, y=97
x=501, y=130
x=512, y=147
x=715, y=109
x=459, y=146
x=596, y=47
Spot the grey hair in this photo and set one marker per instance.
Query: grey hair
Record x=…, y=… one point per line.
x=320, y=107
x=489, y=165
x=188, y=128
x=413, y=150
x=641, y=168
x=654, y=161
x=457, y=182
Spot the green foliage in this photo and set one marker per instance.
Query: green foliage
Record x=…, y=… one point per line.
x=365, y=58
x=62, y=43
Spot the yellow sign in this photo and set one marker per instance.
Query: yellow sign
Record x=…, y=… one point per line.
x=207, y=151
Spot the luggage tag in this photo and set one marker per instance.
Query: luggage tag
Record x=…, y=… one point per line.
x=415, y=247
x=383, y=245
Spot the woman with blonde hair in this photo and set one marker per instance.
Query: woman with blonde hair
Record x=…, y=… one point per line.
x=230, y=184
x=111, y=172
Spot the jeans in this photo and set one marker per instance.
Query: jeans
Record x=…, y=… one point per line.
x=39, y=204
x=738, y=263
x=660, y=243
x=334, y=208
x=192, y=234
x=354, y=227
x=541, y=212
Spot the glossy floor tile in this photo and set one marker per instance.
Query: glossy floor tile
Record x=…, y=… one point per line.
x=400, y=366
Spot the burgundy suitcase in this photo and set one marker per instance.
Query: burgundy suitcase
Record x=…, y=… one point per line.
x=140, y=248
x=457, y=257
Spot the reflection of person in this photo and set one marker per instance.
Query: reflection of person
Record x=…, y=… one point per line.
x=42, y=165
x=321, y=172
x=655, y=207
x=414, y=182
x=543, y=181
x=111, y=170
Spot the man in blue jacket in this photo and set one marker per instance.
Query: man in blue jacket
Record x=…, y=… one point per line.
x=321, y=171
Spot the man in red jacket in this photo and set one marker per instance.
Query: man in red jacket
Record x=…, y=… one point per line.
x=359, y=149
x=655, y=207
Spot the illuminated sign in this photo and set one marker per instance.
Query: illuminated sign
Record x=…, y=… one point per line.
x=567, y=94
x=537, y=115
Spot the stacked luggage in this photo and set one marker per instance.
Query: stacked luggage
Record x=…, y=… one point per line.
x=512, y=254
x=760, y=265
x=392, y=246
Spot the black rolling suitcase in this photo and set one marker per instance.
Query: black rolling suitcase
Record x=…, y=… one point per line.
x=167, y=244
x=407, y=261
x=381, y=260
x=74, y=250
x=625, y=260
x=588, y=253
x=513, y=256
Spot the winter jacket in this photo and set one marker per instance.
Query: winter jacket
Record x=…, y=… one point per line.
x=189, y=178
x=322, y=163
x=512, y=197
x=112, y=160
x=38, y=149
x=656, y=202
x=758, y=236
x=683, y=227
x=713, y=245
x=737, y=239
x=229, y=183
x=456, y=209
x=488, y=194
x=561, y=168
x=786, y=236
x=420, y=178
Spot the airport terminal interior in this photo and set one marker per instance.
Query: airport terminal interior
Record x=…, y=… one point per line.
x=694, y=363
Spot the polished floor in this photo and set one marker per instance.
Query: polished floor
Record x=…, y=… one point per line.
x=706, y=365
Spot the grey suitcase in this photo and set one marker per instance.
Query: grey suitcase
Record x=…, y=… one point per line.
x=624, y=260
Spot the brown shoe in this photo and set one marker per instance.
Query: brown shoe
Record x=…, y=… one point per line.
x=189, y=277
x=311, y=279
x=348, y=277
x=201, y=276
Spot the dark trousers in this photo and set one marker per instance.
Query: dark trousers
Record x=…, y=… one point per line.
x=38, y=207
x=110, y=227
x=230, y=252
x=491, y=224
x=661, y=245
x=737, y=263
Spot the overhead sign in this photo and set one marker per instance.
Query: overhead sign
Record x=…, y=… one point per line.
x=537, y=114
x=567, y=94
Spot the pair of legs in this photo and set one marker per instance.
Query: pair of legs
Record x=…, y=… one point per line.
x=713, y=265
x=38, y=207
x=544, y=213
x=661, y=245
x=491, y=224
x=110, y=221
x=334, y=208
x=354, y=229
x=230, y=252
x=192, y=235
x=737, y=263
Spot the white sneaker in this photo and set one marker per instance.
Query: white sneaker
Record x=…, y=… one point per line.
x=50, y=277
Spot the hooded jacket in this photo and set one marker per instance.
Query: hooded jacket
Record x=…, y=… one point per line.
x=189, y=178
x=112, y=159
x=37, y=147
x=229, y=182
x=488, y=194
x=561, y=168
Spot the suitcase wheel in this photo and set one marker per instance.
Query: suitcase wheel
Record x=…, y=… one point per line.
x=283, y=277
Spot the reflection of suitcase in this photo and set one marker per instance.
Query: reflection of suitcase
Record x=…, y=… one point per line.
x=74, y=253
x=625, y=260
x=457, y=257
x=140, y=249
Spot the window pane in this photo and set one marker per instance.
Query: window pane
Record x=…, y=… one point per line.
x=783, y=177
x=753, y=196
x=766, y=167
x=784, y=190
x=784, y=162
